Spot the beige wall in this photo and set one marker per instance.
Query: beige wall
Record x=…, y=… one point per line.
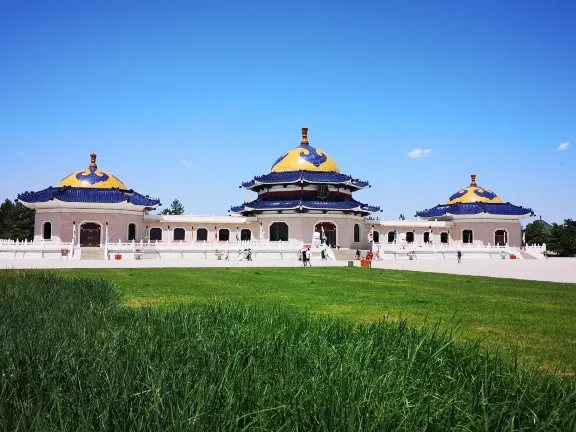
x=484, y=231
x=301, y=227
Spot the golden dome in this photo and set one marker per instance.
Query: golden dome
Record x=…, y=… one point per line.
x=92, y=177
x=474, y=193
x=304, y=157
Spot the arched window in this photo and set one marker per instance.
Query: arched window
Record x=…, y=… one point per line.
x=179, y=234
x=444, y=237
x=426, y=237
x=391, y=236
x=201, y=234
x=500, y=237
x=223, y=234
x=279, y=231
x=47, y=231
x=155, y=234
x=409, y=237
x=467, y=236
x=131, y=231
x=376, y=237
x=356, y=233
x=245, y=235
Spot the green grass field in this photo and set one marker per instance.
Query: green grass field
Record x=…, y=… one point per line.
x=73, y=357
x=535, y=319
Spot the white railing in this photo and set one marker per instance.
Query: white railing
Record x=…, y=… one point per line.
x=42, y=249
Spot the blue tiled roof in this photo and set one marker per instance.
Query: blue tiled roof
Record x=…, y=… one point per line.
x=475, y=208
x=308, y=176
x=88, y=195
x=347, y=204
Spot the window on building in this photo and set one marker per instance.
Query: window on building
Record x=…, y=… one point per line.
x=426, y=237
x=47, y=231
x=376, y=237
x=356, y=233
x=444, y=237
x=467, y=236
x=279, y=231
x=245, y=235
x=500, y=237
x=179, y=234
x=409, y=237
x=223, y=234
x=201, y=234
x=156, y=234
x=131, y=231
x=391, y=236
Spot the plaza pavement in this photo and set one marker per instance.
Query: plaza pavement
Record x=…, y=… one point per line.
x=553, y=269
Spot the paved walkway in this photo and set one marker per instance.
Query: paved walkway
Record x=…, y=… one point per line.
x=554, y=269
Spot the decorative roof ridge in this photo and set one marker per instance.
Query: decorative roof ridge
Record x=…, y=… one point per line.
x=300, y=175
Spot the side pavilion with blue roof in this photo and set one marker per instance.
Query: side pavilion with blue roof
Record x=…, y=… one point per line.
x=479, y=215
x=86, y=205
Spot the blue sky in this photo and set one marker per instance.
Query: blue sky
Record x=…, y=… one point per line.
x=489, y=88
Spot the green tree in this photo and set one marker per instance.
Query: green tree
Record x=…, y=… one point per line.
x=16, y=221
x=538, y=232
x=563, y=238
x=176, y=208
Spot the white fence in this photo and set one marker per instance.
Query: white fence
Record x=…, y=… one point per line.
x=228, y=250
x=477, y=249
x=36, y=250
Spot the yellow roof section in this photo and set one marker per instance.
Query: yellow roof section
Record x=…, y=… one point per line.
x=92, y=177
x=304, y=157
x=474, y=193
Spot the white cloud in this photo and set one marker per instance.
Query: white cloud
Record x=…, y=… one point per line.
x=418, y=153
x=186, y=163
x=21, y=154
x=563, y=146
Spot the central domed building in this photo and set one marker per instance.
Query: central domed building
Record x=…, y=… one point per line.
x=303, y=193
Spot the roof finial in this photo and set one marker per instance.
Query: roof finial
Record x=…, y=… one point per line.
x=473, y=177
x=93, y=160
x=304, y=136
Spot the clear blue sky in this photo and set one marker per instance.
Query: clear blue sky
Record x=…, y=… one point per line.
x=489, y=87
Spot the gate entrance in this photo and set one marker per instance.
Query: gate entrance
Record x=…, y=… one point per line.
x=329, y=233
x=90, y=234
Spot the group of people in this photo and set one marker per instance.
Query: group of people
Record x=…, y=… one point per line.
x=304, y=257
x=369, y=255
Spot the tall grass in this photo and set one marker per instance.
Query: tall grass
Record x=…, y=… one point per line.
x=71, y=358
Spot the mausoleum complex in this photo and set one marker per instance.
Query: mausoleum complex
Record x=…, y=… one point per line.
x=303, y=199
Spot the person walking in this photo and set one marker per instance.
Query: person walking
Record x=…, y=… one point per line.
x=323, y=254
x=459, y=255
x=308, y=257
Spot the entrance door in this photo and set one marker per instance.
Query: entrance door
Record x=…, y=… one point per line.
x=90, y=234
x=329, y=234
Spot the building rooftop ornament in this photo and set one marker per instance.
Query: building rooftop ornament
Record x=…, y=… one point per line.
x=92, y=177
x=474, y=193
x=304, y=157
x=304, y=136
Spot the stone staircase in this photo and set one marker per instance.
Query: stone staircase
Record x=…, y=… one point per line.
x=92, y=253
x=526, y=255
x=347, y=254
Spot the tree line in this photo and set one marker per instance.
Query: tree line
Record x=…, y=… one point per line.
x=16, y=221
x=559, y=238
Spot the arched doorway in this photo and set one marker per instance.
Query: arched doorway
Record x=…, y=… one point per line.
x=90, y=234
x=500, y=237
x=328, y=234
